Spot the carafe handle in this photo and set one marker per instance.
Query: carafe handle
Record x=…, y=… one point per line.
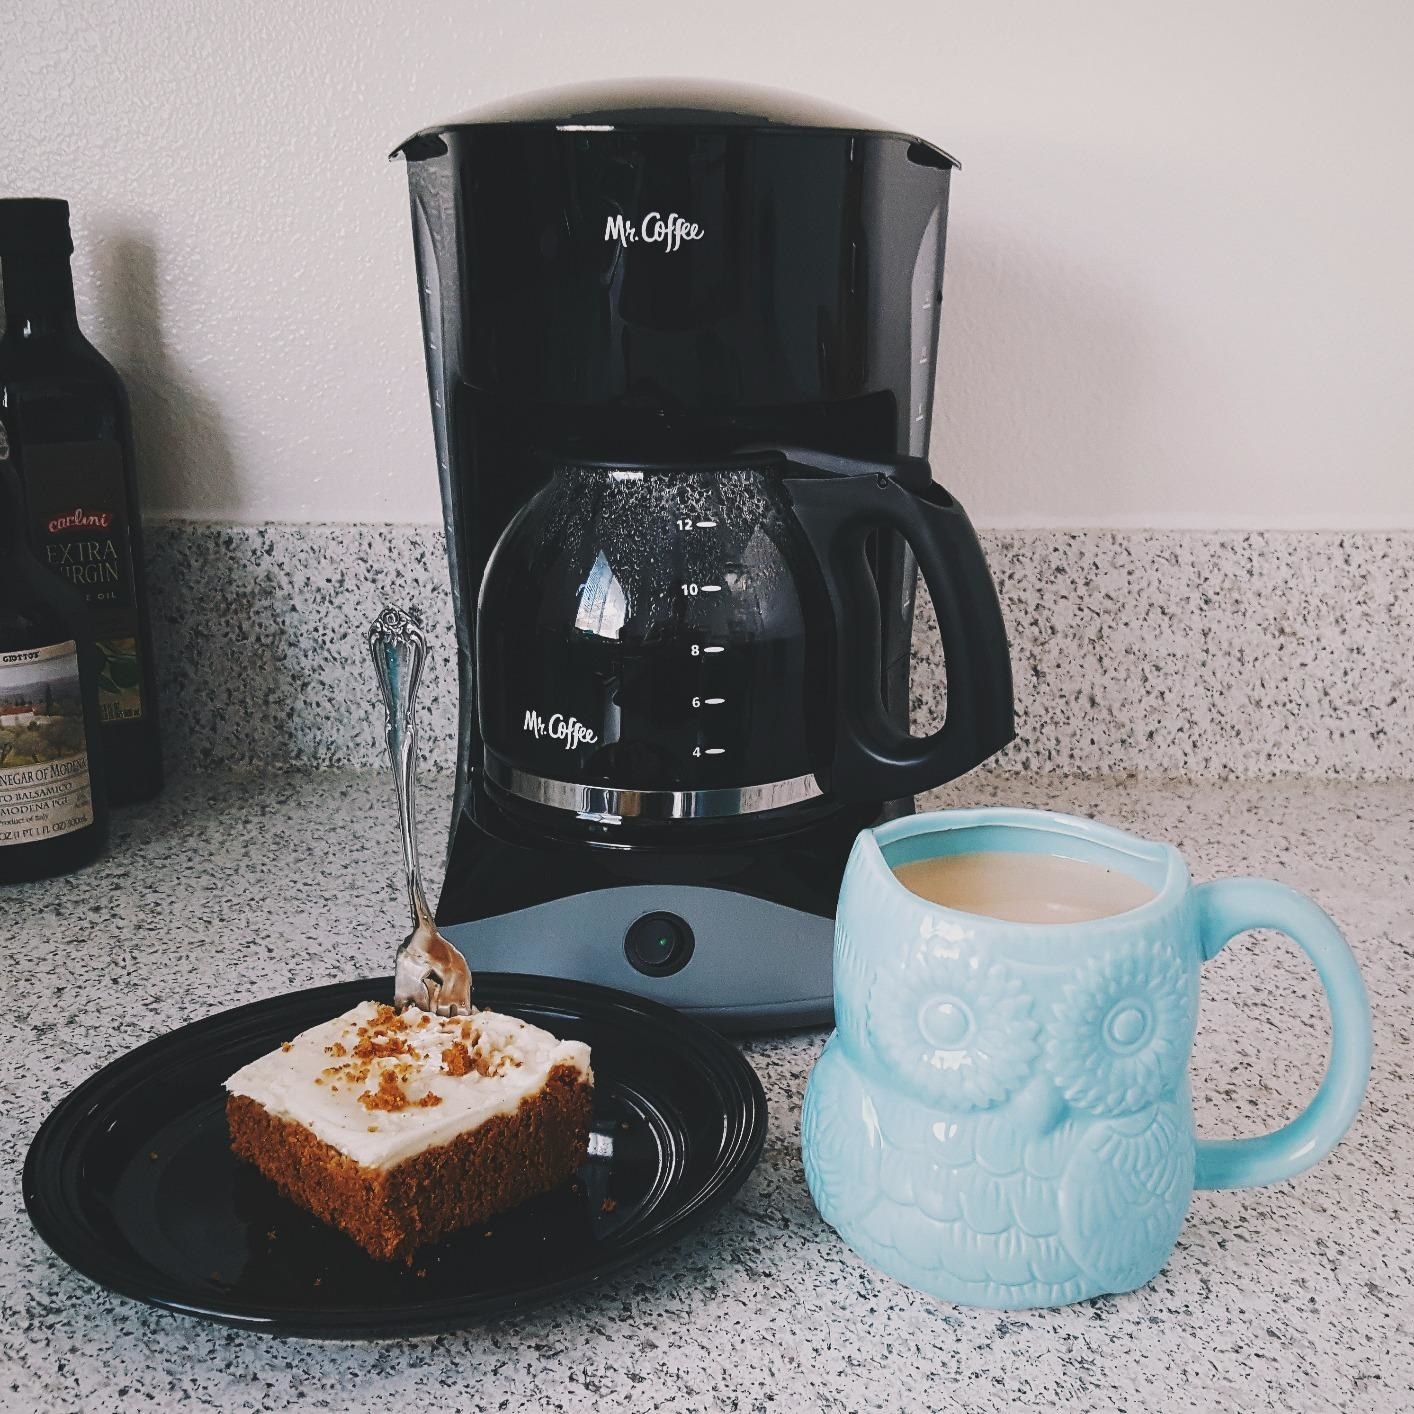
x=874, y=759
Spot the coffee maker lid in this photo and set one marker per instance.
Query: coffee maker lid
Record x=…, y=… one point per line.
x=638, y=104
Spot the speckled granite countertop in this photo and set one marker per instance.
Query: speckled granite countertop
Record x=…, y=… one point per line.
x=1292, y=1297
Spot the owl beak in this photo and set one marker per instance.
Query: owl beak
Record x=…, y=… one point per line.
x=1039, y=1107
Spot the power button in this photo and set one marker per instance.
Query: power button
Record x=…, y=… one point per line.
x=658, y=944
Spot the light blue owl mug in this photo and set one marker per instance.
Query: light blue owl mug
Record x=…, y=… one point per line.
x=1002, y=1117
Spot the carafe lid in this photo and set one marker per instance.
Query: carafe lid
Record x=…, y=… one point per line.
x=637, y=104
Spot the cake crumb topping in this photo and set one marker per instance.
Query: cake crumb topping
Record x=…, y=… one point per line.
x=456, y=1059
x=392, y=1096
x=367, y=1047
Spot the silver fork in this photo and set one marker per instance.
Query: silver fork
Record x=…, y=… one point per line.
x=431, y=973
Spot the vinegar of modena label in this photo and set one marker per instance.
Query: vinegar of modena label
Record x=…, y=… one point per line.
x=44, y=777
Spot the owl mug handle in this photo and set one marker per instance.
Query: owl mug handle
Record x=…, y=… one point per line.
x=1232, y=906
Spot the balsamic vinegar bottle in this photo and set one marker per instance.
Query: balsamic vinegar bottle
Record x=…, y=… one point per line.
x=65, y=413
x=53, y=816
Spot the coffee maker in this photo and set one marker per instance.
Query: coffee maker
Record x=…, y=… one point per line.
x=681, y=360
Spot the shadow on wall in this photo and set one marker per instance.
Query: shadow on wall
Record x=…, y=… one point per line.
x=179, y=428
x=1046, y=370
x=239, y=639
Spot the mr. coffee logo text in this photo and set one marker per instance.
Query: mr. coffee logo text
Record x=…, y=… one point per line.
x=570, y=732
x=668, y=231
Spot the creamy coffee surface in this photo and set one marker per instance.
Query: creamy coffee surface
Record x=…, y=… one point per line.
x=1024, y=888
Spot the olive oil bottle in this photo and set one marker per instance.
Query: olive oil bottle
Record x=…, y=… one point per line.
x=64, y=412
x=53, y=817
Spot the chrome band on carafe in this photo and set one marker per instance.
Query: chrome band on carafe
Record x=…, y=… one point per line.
x=612, y=803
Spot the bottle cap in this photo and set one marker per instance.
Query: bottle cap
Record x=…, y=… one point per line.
x=34, y=226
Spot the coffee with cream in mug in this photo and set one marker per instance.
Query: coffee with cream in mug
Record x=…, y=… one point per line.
x=1024, y=888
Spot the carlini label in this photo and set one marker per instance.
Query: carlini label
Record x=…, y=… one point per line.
x=570, y=732
x=80, y=529
x=671, y=231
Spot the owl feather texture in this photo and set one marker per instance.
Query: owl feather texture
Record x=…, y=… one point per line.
x=1001, y=1132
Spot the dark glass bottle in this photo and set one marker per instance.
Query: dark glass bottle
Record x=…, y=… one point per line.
x=53, y=814
x=65, y=412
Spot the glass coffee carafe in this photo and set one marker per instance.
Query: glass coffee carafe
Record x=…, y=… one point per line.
x=692, y=642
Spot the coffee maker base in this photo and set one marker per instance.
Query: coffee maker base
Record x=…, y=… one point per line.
x=738, y=962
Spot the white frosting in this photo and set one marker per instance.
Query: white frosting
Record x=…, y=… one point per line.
x=308, y=1082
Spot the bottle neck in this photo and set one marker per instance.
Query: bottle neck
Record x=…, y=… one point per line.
x=39, y=297
x=12, y=536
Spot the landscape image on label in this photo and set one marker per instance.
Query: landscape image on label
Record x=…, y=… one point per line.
x=119, y=680
x=41, y=712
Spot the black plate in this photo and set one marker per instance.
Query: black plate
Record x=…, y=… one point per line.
x=131, y=1180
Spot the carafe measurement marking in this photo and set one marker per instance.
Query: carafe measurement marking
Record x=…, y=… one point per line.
x=692, y=590
x=687, y=523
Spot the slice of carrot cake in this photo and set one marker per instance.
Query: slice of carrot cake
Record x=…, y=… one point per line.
x=400, y=1127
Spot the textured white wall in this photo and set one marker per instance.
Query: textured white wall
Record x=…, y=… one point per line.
x=1179, y=287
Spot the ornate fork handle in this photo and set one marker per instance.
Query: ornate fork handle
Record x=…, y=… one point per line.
x=399, y=649
x=431, y=973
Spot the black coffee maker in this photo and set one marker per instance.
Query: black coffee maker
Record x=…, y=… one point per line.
x=681, y=364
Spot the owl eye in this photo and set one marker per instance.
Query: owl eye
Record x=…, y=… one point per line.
x=945, y=1022
x=1128, y=1026
x=1118, y=1037
x=957, y=1030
